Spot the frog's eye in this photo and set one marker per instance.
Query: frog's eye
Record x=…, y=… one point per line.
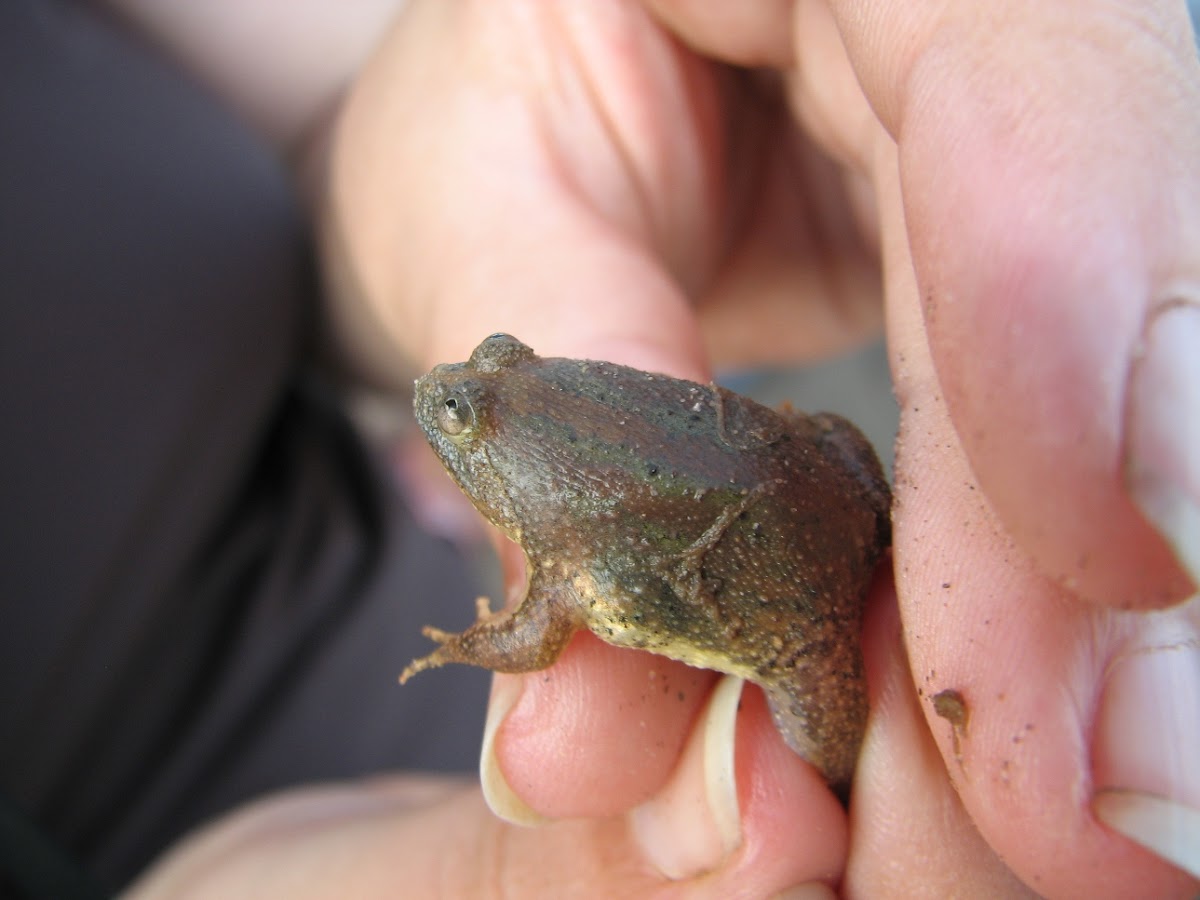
x=455, y=416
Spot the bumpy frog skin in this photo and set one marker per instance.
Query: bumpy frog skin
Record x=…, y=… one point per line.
x=674, y=517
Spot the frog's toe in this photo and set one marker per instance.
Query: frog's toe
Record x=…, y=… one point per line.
x=418, y=665
x=437, y=658
x=436, y=634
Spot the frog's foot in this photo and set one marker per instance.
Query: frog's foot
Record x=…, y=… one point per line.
x=483, y=613
x=420, y=665
x=433, y=660
x=529, y=638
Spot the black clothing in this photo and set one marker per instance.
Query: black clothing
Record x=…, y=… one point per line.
x=207, y=584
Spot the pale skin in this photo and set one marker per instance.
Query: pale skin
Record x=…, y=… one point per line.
x=583, y=175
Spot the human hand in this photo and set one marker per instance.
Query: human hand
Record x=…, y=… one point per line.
x=575, y=175
x=421, y=836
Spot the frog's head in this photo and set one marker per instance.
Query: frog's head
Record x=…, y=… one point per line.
x=554, y=449
x=472, y=416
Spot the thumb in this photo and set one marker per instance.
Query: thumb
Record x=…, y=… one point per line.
x=1047, y=156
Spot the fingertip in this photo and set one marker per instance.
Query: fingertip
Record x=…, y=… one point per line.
x=1033, y=328
x=741, y=808
x=1040, y=241
x=710, y=789
x=599, y=731
x=691, y=824
x=909, y=829
x=1162, y=428
x=794, y=827
x=1170, y=830
x=503, y=801
x=1146, y=736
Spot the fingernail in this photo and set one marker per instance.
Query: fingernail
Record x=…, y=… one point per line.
x=1163, y=429
x=1147, y=739
x=694, y=822
x=500, y=796
x=814, y=890
x=1161, y=826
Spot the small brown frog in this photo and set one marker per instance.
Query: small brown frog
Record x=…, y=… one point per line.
x=673, y=517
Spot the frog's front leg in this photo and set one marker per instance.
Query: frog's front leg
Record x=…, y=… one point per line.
x=530, y=637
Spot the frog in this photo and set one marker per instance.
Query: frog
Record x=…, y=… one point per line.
x=672, y=517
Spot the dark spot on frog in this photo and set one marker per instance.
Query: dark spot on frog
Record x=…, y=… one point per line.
x=743, y=541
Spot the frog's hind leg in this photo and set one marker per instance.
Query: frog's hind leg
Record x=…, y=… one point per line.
x=530, y=637
x=823, y=722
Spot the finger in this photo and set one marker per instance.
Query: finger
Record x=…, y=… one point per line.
x=911, y=835
x=574, y=172
x=491, y=171
x=1055, y=713
x=705, y=780
x=407, y=837
x=1046, y=713
x=1053, y=209
x=594, y=735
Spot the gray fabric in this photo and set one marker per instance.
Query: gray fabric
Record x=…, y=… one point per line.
x=207, y=584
